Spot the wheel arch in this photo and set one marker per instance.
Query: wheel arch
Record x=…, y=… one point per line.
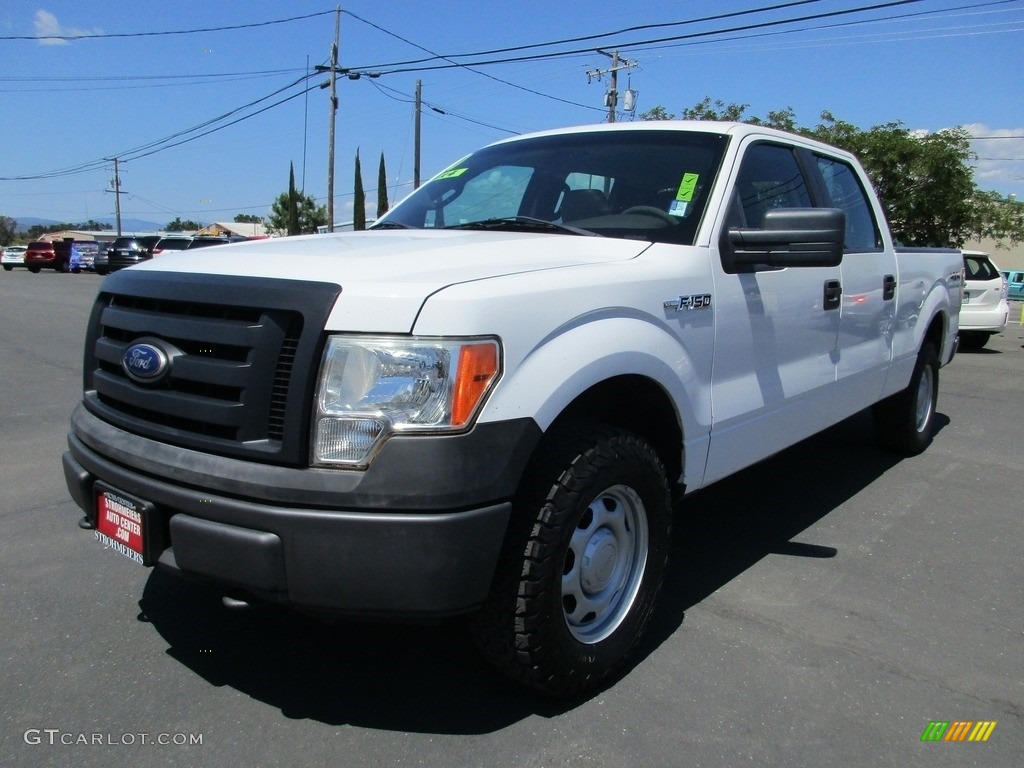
x=637, y=404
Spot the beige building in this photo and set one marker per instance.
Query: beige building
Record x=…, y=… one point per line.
x=234, y=229
x=1003, y=255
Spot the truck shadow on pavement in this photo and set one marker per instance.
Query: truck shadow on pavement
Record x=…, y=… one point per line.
x=429, y=679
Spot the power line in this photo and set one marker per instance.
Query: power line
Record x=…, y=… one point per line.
x=137, y=82
x=583, y=38
x=404, y=98
x=399, y=67
x=168, y=142
x=103, y=78
x=112, y=35
x=476, y=71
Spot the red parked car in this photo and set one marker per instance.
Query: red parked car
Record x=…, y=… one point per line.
x=40, y=254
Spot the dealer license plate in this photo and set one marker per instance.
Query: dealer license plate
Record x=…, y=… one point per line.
x=121, y=523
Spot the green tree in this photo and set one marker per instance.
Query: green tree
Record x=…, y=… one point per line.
x=359, y=200
x=310, y=215
x=382, y=188
x=925, y=183
x=294, y=226
x=182, y=225
x=295, y=213
x=8, y=228
x=38, y=230
x=248, y=218
x=92, y=225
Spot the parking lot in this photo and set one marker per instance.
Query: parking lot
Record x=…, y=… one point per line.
x=822, y=608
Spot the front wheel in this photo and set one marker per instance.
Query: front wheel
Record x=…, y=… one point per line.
x=905, y=422
x=582, y=564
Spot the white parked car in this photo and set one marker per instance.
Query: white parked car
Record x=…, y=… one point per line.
x=984, y=310
x=12, y=256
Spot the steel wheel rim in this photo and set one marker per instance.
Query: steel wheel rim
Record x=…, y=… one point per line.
x=925, y=388
x=604, y=564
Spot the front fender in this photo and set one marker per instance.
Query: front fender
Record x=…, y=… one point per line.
x=544, y=380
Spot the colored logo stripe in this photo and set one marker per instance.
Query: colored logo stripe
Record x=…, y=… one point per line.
x=958, y=730
x=982, y=730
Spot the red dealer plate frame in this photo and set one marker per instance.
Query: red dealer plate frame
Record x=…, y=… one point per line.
x=122, y=523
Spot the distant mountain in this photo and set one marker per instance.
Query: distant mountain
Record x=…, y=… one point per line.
x=127, y=225
x=133, y=225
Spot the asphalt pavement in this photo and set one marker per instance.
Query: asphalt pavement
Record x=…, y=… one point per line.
x=822, y=608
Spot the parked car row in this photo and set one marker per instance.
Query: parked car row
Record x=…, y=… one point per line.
x=126, y=251
x=59, y=255
x=89, y=256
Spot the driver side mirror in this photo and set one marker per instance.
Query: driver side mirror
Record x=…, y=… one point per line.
x=789, y=237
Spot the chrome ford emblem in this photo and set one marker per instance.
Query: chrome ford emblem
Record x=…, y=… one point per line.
x=144, y=362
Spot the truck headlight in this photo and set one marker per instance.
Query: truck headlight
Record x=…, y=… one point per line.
x=372, y=387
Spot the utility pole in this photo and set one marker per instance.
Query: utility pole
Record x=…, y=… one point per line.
x=611, y=96
x=116, y=183
x=334, y=110
x=305, y=125
x=335, y=70
x=416, y=140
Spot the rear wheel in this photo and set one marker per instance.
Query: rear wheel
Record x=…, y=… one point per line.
x=582, y=563
x=34, y=270
x=905, y=422
x=8, y=267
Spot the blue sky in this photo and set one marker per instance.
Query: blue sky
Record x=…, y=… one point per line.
x=67, y=105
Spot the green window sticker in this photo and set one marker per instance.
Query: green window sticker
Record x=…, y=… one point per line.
x=451, y=173
x=687, y=187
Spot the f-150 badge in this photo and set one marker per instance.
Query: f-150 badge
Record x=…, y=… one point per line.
x=694, y=301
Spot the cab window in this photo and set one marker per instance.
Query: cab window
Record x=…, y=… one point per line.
x=845, y=192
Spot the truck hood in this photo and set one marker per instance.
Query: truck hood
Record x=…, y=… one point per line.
x=385, y=276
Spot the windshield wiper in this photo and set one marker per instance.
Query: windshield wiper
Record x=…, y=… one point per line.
x=389, y=225
x=524, y=224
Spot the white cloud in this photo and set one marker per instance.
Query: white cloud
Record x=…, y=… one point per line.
x=50, y=32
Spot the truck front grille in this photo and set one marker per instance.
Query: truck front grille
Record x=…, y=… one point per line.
x=241, y=379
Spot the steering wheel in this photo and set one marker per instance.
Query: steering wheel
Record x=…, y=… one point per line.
x=650, y=210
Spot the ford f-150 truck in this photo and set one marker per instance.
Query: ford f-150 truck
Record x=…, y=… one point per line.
x=489, y=403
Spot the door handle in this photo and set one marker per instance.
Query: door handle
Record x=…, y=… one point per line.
x=833, y=295
x=888, y=288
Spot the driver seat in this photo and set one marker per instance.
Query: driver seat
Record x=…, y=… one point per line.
x=584, y=204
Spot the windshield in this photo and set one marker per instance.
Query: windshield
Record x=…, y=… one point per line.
x=648, y=185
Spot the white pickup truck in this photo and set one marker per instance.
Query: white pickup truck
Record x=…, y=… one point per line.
x=487, y=404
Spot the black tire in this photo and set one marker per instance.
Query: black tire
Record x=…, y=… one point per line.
x=62, y=266
x=905, y=422
x=101, y=270
x=973, y=340
x=582, y=563
x=34, y=270
x=8, y=267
